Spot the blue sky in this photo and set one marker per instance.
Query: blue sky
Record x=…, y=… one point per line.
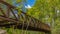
x=27, y=4
x=31, y=2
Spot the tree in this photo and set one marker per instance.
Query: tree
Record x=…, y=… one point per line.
x=46, y=11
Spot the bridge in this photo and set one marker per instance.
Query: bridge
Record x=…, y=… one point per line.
x=21, y=19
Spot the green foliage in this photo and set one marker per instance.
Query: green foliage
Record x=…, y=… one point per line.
x=46, y=11
x=18, y=1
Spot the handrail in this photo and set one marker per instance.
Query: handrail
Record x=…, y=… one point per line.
x=8, y=19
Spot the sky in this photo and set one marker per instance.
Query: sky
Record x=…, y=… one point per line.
x=27, y=4
x=30, y=2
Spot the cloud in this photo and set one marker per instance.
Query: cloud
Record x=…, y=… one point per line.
x=28, y=6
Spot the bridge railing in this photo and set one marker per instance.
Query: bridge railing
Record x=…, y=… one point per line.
x=27, y=21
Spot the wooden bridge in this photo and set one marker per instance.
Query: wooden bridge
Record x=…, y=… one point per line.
x=21, y=20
